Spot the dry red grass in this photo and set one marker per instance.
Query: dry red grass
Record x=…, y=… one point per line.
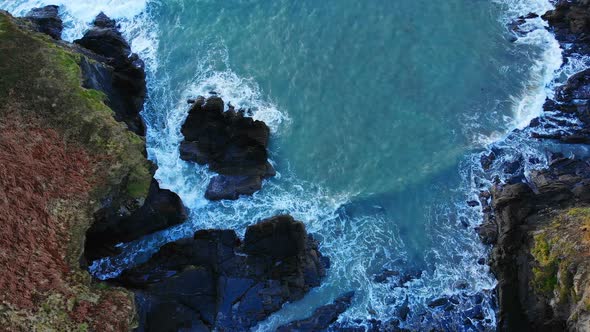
x=36, y=167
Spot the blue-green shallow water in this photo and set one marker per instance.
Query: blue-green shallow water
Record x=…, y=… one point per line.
x=376, y=109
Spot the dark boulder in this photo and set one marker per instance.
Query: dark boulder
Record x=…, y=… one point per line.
x=161, y=209
x=46, y=20
x=233, y=146
x=116, y=71
x=322, y=317
x=240, y=283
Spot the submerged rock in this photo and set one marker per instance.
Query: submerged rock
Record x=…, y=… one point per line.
x=233, y=146
x=118, y=73
x=232, y=186
x=322, y=317
x=47, y=21
x=215, y=281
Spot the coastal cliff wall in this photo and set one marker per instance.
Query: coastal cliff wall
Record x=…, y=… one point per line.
x=540, y=225
x=75, y=182
x=63, y=157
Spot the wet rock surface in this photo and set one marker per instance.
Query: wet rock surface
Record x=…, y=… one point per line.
x=231, y=144
x=570, y=22
x=47, y=21
x=216, y=281
x=116, y=71
x=566, y=117
x=322, y=317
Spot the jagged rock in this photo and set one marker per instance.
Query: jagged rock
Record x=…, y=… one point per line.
x=570, y=21
x=521, y=210
x=322, y=317
x=118, y=72
x=47, y=21
x=231, y=144
x=517, y=26
x=240, y=283
x=161, y=209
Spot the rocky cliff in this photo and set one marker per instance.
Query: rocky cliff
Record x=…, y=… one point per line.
x=75, y=182
x=63, y=158
x=538, y=223
x=73, y=173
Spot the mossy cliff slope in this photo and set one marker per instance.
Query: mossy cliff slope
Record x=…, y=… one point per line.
x=63, y=157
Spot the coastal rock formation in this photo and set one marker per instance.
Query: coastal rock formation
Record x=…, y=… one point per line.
x=46, y=20
x=161, y=209
x=115, y=71
x=572, y=105
x=215, y=281
x=322, y=317
x=541, y=229
x=538, y=223
x=63, y=158
x=570, y=22
x=233, y=145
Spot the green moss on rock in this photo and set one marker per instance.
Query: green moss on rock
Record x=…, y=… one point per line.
x=45, y=79
x=545, y=273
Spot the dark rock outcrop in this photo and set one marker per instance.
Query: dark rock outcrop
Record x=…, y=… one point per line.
x=118, y=72
x=233, y=145
x=572, y=102
x=521, y=210
x=322, y=317
x=47, y=21
x=161, y=209
x=567, y=116
x=215, y=281
x=570, y=22
x=535, y=221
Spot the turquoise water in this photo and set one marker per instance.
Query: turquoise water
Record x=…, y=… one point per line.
x=377, y=111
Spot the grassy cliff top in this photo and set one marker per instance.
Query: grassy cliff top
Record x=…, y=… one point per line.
x=62, y=155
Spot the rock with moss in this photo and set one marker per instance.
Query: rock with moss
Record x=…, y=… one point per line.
x=113, y=69
x=65, y=161
x=541, y=227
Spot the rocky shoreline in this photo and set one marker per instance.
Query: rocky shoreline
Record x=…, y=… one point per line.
x=89, y=94
x=75, y=169
x=537, y=223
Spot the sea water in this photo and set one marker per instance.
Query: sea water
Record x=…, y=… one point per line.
x=378, y=112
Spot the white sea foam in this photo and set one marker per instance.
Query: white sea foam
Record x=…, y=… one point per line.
x=78, y=14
